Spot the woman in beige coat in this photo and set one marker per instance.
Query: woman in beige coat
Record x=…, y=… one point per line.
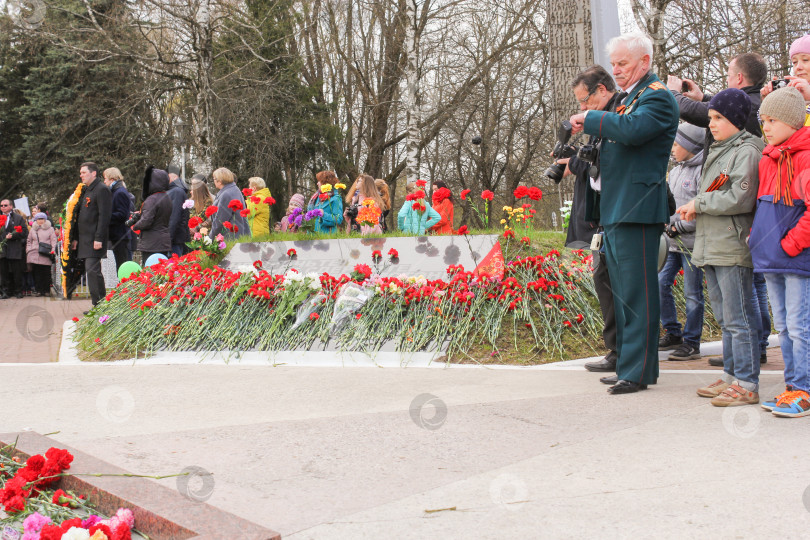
x=41, y=233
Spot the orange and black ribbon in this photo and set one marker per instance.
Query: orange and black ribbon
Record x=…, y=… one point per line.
x=783, y=189
x=718, y=182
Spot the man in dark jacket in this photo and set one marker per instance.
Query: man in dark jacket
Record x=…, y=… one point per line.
x=123, y=204
x=178, y=223
x=747, y=72
x=153, y=223
x=93, y=228
x=594, y=89
x=13, y=233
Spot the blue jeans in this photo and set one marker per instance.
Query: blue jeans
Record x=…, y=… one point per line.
x=790, y=299
x=761, y=309
x=732, y=295
x=693, y=293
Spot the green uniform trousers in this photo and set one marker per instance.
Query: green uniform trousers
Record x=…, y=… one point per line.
x=631, y=251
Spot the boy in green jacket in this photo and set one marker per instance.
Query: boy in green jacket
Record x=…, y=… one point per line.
x=724, y=209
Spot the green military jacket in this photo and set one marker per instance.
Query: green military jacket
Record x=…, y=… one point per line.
x=637, y=140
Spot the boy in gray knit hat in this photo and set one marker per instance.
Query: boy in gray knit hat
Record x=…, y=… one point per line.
x=687, y=152
x=780, y=241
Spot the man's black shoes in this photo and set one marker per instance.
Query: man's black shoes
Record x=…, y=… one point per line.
x=669, y=342
x=610, y=379
x=606, y=364
x=626, y=387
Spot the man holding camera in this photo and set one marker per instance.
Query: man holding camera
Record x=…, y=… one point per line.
x=636, y=143
x=595, y=90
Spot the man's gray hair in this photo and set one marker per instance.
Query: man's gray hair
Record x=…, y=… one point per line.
x=636, y=42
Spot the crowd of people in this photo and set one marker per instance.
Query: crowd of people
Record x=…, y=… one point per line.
x=735, y=209
x=174, y=213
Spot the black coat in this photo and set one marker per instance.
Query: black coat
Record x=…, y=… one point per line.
x=178, y=223
x=156, y=211
x=14, y=248
x=123, y=204
x=95, y=210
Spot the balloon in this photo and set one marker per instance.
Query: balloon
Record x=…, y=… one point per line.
x=128, y=268
x=154, y=259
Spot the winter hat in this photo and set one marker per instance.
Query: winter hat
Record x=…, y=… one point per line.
x=785, y=105
x=173, y=169
x=800, y=46
x=297, y=201
x=41, y=215
x=734, y=104
x=690, y=137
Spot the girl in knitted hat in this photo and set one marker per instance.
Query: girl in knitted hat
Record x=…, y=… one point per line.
x=296, y=201
x=780, y=240
x=800, y=80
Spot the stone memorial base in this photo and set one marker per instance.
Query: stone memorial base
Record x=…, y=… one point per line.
x=160, y=512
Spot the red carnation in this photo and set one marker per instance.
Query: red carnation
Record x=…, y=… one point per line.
x=464, y=194
x=3, y=220
x=314, y=317
x=211, y=210
x=535, y=193
x=393, y=253
x=235, y=205
x=521, y=191
x=244, y=213
x=75, y=319
x=526, y=240
x=440, y=195
x=323, y=196
x=376, y=254
x=462, y=229
x=421, y=183
x=227, y=225
x=291, y=252
x=193, y=222
x=269, y=201
x=487, y=195
x=256, y=199
x=18, y=229
x=247, y=192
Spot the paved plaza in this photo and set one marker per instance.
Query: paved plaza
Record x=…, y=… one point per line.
x=431, y=453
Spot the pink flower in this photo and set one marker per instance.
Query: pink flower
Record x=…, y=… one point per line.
x=33, y=525
x=222, y=245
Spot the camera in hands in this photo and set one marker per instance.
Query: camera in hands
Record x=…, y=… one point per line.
x=133, y=219
x=562, y=150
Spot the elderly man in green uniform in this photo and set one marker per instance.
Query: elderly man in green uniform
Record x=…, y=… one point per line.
x=637, y=140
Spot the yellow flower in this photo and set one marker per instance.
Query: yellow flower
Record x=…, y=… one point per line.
x=507, y=208
x=503, y=221
x=340, y=186
x=367, y=202
x=519, y=210
x=326, y=187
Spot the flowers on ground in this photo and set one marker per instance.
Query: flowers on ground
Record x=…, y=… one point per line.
x=216, y=309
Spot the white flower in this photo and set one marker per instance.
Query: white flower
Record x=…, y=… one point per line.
x=188, y=203
x=207, y=240
x=76, y=533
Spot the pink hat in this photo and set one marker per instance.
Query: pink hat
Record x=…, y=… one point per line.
x=297, y=201
x=800, y=46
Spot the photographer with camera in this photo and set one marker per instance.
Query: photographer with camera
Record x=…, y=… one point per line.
x=746, y=72
x=595, y=90
x=636, y=142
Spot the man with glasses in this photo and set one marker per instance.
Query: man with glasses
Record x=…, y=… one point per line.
x=11, y=257
x=595, y=90
x=95, y=208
